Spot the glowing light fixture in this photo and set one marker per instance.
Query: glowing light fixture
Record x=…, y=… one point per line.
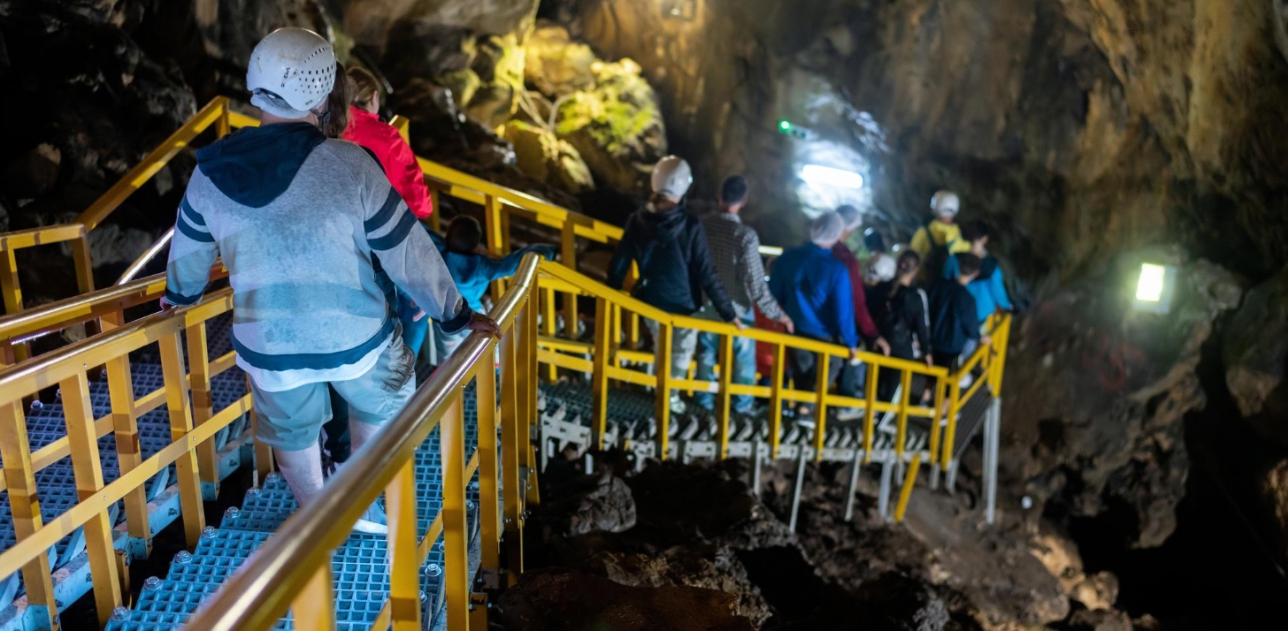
x=784, y=125
x=818, y=175
x=1154, y=288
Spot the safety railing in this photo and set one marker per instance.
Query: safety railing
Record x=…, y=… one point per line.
x=193, y=427
x=293, y=569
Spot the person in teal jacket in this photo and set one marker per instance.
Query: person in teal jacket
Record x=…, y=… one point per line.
x=473, y=273
x=989, y=289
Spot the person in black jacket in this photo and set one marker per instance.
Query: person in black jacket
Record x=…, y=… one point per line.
x=675, y=261
x=952, y=313
x=902, y=313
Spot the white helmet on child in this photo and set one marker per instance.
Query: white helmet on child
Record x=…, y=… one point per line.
x=291, y=72
x=945, y=204
x=881, y=268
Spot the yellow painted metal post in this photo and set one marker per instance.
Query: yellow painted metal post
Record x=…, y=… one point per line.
x=489, y=496
x=549, y=325
x=869, y=410
x=950, y=431
x=662, y=362
x=599, y=387
x=84, y=267
x=404, y=571
x=528, y=385
x=126, y=428
x=314, y=606
x=495, y=242
x=776, y=399
x=723, y=397
x=905, y=493
x=940, y=387
x=25, y=505
x=186, y=469
x=88, y=470
x=263, y=453
x=1003, y=340
x=820, y=404
x=568, y=254
x=203, y=407
x=223, y=126
x=510, y=492
x=901, y=433
x=9, y=281
x=456, y=578
x=435, y=218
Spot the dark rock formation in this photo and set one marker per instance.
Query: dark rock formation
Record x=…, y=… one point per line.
x=1097, y=391
x=1255, y=353
x=600, y=503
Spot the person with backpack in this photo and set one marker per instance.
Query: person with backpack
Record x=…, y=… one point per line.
x=902, y=312
x=954, y=320
x=989, y=289
x=299, y=220
x=940, y=236
x=676, y=267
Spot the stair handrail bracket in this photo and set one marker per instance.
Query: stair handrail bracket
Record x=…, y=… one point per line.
x=293, y=569
x=68, y=368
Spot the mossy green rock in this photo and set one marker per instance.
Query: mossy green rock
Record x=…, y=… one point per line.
x=616, y=126
x=544, y=157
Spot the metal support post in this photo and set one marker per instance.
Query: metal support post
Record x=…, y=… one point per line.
x=855, y=467
x=883, y=497
x=800, y=481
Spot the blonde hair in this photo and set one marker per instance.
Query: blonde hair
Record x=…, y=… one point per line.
x=364, y=86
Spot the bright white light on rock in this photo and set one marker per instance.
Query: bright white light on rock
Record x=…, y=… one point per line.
x=818, y=175
x=1153, y=278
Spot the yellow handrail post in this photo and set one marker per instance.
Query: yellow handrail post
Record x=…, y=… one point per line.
x=776, y=399
x=820, y=404
x=224, y=124
x=950, y=428
x=25, y=506
x=870, y=410
x=126, y=429
x=404, y=571
x=723, y=397
x=1002, y=339
x=202, y=407
x=568, y=254
x=599, y=386
x=941, y=386
x=456, y=579
x=905, y=493
x=901, y=433
x=527, y=368
x=489, y=496
x=84, y=267
x=436, y=217
x=510, y=485
x=186, y=468
x=548, y=321
x=662, y=362
x=314, y=607
x=88, y=471
x=495, y=244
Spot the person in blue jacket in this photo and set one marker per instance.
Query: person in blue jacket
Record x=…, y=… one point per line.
x=814, y=289
x=989, y=289
x=473, y=273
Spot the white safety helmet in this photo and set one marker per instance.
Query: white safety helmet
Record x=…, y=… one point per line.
x=291, y=72
x=881, y=268
x=672, y=177
x=945, y=204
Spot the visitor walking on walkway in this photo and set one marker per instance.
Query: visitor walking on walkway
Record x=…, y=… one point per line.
x=814, y=289
x=299, y=219
x=953, y=318
x=853, y=373
x=735, y=248
x=674, y=258
x=940, y=236
x=989, y=289
x=901, y=311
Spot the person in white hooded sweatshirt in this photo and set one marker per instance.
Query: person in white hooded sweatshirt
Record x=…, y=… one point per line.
x=299, y=220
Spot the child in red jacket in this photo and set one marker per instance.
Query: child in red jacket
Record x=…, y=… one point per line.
x=366, y=129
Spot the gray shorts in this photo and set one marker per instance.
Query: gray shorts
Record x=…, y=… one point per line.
x=291, y=420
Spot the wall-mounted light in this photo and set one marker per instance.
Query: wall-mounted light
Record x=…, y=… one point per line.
x=685, y=10
x=818, y=175
x=1155, y=287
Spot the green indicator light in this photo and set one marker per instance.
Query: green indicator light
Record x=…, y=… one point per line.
x=784, y=125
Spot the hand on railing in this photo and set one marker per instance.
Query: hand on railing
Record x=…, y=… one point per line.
x=166, y=305
x=787, y=323
x=883, y=345
x=930, y=360
x=987, y=340
x=480, y=322
x=737, y=324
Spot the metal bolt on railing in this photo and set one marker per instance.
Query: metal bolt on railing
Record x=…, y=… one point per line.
x=37, y=405
x=120, y=614
x=433, y=570
x=153, y=583
x=183, y=557
x=208, y=532
x=424, y=598
x=271, y=478
x=252, y=492
x=469, y=505
x=232, y=512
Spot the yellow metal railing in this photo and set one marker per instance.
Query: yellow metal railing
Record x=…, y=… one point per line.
x=192, y=450
x=293, y=569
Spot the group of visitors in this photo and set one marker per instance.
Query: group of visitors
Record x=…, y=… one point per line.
x=929, y=304
x=315, y=214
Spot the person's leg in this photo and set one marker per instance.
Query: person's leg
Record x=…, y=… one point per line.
x=803, y=363
x=744, y=371
x=336, y=444
x=707, y=356
x=683, y=344
x=290, y=421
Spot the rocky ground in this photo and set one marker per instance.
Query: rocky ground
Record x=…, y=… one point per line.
x=690, y=547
